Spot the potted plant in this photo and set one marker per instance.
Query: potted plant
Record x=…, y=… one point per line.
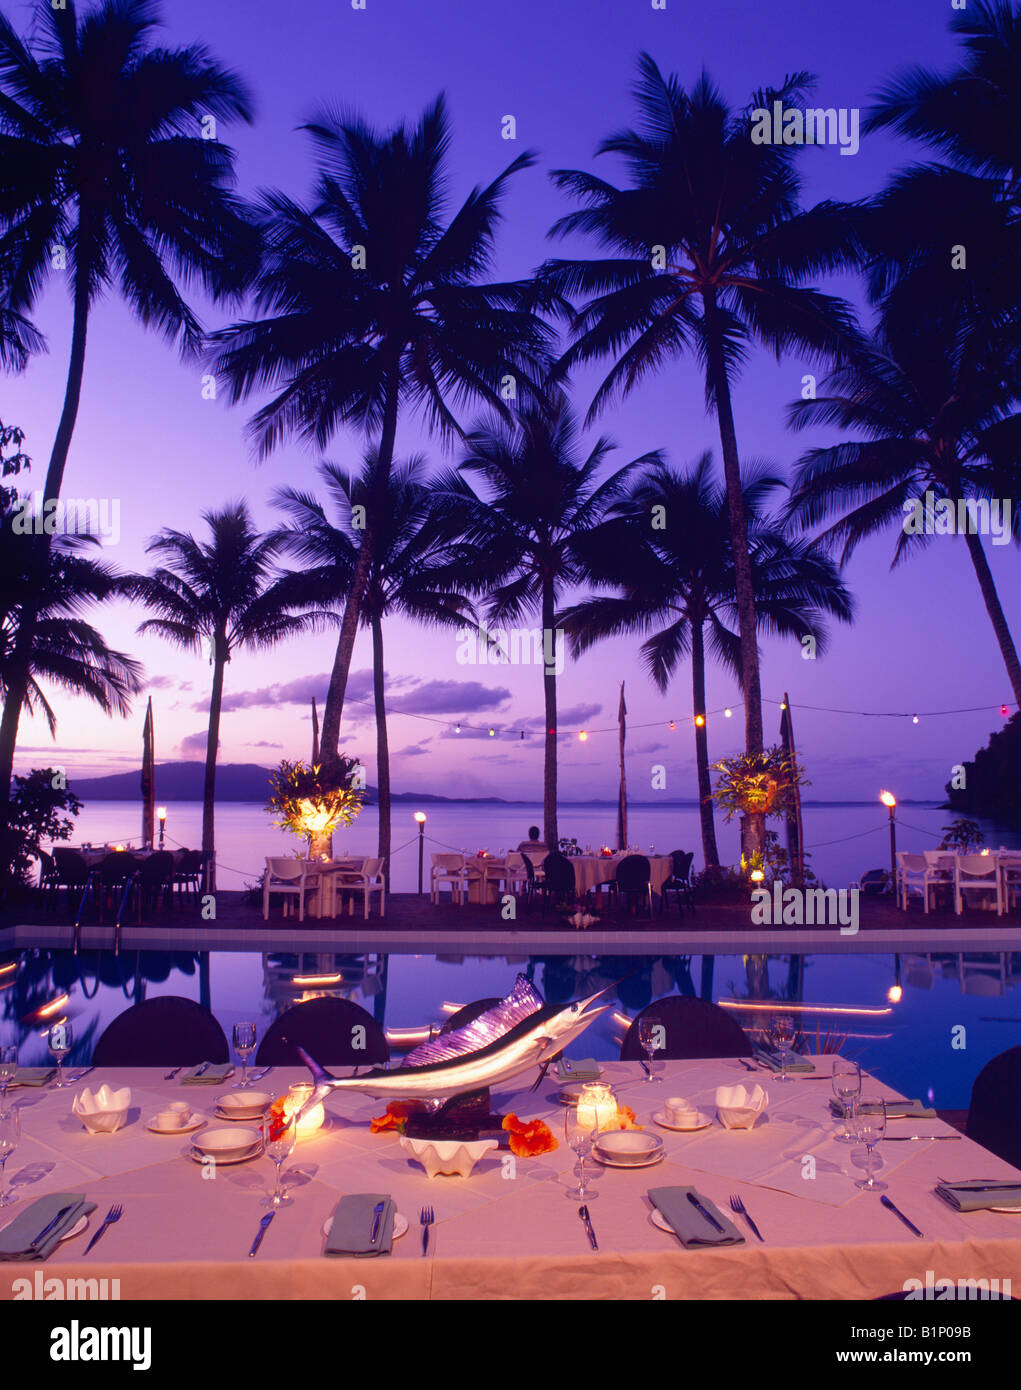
x=312, y=806
x=757, y=784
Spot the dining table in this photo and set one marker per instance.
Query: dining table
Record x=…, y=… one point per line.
x=510, y=1230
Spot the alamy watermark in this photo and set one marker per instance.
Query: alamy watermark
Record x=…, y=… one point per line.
x=516, y=646
x=789, y=125
x=68, y=516
x=947, y=516
x=806, y=907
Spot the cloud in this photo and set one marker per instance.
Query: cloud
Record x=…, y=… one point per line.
x=194, y=743
x=261, y=743
x=452, y=697
x=646, y=748
x=577, y=715
x=413, y=750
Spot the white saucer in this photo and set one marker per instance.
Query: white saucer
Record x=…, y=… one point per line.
x=196, y=1122
x=401, y=1226
x=197, y=1156
x=646, y=1163
x=705, y=1122
x=246, y=1119
x=76, y=1229
x=658, y=1219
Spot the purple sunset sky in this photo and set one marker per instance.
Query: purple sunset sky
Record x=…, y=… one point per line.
x=564, y=70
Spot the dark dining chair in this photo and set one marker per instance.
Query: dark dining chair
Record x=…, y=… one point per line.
x=692, y=1028
x=72, y=872
x=994, y=1115
x=558, y=879
x=335, y=1032
x=679, y=881
x=49, y=876
x=164, y=1032
x=188, y=872
x=633, y=879
x=155, y=881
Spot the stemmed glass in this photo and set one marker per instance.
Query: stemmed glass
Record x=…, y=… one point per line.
x=782, y=1034
x=8, y=1071
x=580, y=1137
x=60, y=1040
x=846, y=1086
x=244, y=1046
x=279, y=1134
x=869, y=1128
x=10, y=1133
x=648, y=1035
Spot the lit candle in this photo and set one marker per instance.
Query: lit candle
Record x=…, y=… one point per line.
x=597, y=1106
x=297, y=1096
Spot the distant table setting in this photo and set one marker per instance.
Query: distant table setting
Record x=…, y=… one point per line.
x=698, y=1179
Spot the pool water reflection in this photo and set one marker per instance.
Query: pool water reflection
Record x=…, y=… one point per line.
x=925, y=1024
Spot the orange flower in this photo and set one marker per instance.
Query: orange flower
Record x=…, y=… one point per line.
x=626, y=1116
x=396, y=1113
x=529, y=1138
x=277, y=1119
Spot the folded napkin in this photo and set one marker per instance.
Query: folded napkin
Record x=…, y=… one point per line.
x=895, y=1110
x=976, y=1195
x=16, y=1237
x=582, y=1069
x=688, y=1222
x=795, y=1062
x=352, y=1225
x=212, y=1076
x=33, y=1076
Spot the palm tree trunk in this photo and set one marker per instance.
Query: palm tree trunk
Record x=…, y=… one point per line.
x=212, y=744
x=995, y=611
x=20, y=665
x=334, y=709
x=382, y=747
x=550, y=833
x=705, y=788
x=754, y=826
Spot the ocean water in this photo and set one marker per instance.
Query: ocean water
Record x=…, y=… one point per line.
x=844, y=840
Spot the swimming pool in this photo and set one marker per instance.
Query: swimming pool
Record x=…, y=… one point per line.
x=924, y=1023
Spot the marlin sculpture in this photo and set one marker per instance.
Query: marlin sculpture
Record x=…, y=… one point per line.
x=519, y=1033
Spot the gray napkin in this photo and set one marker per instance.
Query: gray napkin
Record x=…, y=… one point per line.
x=16, y=1238
x=33, y=1076
x=352, y=1225
x=212, y=1076
x=582, y=1069
x=969, y=1196
x=795, y=1062
x=895, y=1110
x=688, y=1222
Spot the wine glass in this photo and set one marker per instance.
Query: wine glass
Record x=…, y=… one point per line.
x=649, y=1026
x=244, y=1046
x=10, y=1133
x=580, y=1137
x=278, y=1135
x=846, y=1086
x=782, y=1034
x=60, y=1040
x=869, y=1128
x=8, y=1071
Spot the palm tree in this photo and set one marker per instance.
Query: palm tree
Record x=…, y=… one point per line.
x=521, y=542
x=710, y=252
x=66, y=650
x=407, y=575
x=105, y=174
x=221, y=593
x=678, y=583
x=934, y=416
x=370, y=303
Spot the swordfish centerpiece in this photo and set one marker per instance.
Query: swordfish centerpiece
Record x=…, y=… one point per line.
x=519, y=1033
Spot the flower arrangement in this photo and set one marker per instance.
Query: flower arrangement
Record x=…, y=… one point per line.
x=529, y=1138
x=605, y=852
x=482, y=854
x=581, y=918
x=311, y=805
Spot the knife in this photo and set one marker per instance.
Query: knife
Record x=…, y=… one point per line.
x=204, y=1067
x=890, y=1206
x=708, y=1215
x=377, y=1216
x=83, y=1073
x=260, y=1233
x=909, y=1138
x=56, y=1220
x=583, y=1213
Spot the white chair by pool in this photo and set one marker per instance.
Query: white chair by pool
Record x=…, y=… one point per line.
x=976, y=873
x=366, y=880
x=446, y=869
x=1010, y=877
x=913, y=872
x=288, y=878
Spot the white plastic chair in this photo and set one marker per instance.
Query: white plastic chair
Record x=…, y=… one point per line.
x=288, y=878
x=977, y=873
x=446, y=869
x=367, y=880
x=912, y=873
x=1010, y=878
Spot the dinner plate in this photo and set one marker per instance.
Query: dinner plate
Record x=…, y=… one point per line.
x=197, y=1156
x=75, y=1230
x=704, y=1122
x=196, y=1122
x=615, y=1163
x=401, y=1225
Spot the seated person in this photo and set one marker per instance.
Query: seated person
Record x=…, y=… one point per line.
x=533, y=845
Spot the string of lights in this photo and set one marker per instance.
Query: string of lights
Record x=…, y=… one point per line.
x=699, y=720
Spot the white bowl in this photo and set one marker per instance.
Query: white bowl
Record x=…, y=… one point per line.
x=222, y=1143
x=245, y=1104
x=628, y=1145
x=449, y=1156
x=739, y=1108
x=104, y=1112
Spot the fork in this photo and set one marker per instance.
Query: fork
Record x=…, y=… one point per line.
x=114, y=1214
x=738, y=1207
x=426, y=1217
